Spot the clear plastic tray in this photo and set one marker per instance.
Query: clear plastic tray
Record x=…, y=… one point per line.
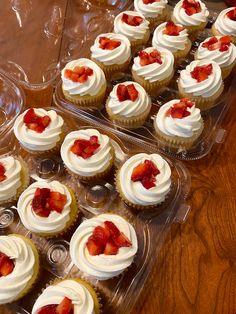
x=119, y=294
x=80, y=47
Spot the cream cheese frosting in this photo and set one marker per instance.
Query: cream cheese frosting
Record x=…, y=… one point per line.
x=150, y=10
x=155, y=71
x=172, y=43
x=93, y=165
x=12, y=285
x=183, y=18
x=119, y=55
x=131, y=32
x=9, y=186
x=91, y=86
x=206, y=88
x=222, y=58
x=135, y=192
x=224, y=24
x=129, y=108
x=184, y=127
x=55, y=222
x=102, y=266
x=44, y=141
x=81, y=298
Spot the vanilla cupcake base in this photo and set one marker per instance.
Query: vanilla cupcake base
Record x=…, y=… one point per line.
x=137, y=43
x=227, y=70
x=183, y=53
x=109, y=70
x=155, y=21
x=193, y=29
x=215, y=32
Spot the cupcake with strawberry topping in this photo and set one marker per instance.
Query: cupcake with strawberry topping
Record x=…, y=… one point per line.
x=112, y=53
x=84, y=83
x=155, y=11
x=104, y=246
x=202, y=82
x=47, y=208
x=192, y=14
x=128, y=105
x=134, y=26
x=144, y=181
x=153, y=68
x=219, y=49
x=39, y=130
x=173, y=37
x=225, y=24
x=67, y=296
x=87, y=154
x=178, y=123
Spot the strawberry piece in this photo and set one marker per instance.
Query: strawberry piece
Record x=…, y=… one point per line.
x=35, y=122
x=150, y=1
x=232, y=14
x=102, y=234
x=149, y=58
x=144, y=58
x=131, y=20
x=126, y=92
x=172, y=29
x=65, y=307
x=148, y=183
x=108, y=44
x=191, y=7
x=85, y=148
x=145, y=173
x=3, y=259
x=213, y=43
x=179, y=110
x=226, y=40
x=78, y=74
x=48, y=309
x=201, y=73
x=114, y=231
x=94, y=246
x=122, y=241
x=6, y=265
x=78, y=70
x=132, y=91
x=111, y=248
x=2, y=172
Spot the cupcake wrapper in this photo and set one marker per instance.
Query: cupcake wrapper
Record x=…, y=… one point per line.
x=155, y=21
x=183, y=53
x=227, y=70
x=137, y=43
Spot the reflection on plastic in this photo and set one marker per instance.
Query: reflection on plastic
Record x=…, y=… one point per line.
x=53, y=26
x=22, y=9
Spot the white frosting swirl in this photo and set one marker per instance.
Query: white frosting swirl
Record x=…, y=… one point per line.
x=155, y=71
x=131, y=32
x=9, y=186
x=222, y=58
x=183, y=18
x=150, y=10
x=184, y=127
x=102, y=266
x=55, y=222
x=135, y=192
x=81, y=298
x=224, y=24
x=93, y=165
x=129, y=108
x=206, y=88
x=22, y=254
x=172, y=43
x=91, y=86
x=119, y=55
x=35, y=141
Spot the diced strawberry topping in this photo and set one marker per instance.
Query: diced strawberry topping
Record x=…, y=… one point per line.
x=78, y=74
x=222, y=44
x=2, y=172
x=191, y=7
x=201, y=73
x=85, y=148
x=232, y=14
x=179, y=110
x=65, y=307
x=149, y=58
x=35, y=122
x=172, y=29
x=45, y=201
x=107, y=240
x=146, y=173
x=6, y=265
x=150, y=1
x=131, y=20
x=127, y=92
x=108, y=44
x=48, y=309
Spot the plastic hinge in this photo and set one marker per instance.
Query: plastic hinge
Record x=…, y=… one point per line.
x=220, y=136
x=182, y=213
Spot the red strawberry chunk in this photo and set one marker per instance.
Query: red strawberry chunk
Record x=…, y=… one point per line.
x=65, y=307
x=111, y=248
x=6, y=265
x=126, y=92
x=201, y=73
x=232, y=14
x=108, y=44
x=132, y=91
x=179, y=110
x=94, y=246
x=35, y=122
x=213, y=43
x=2, y=172
x=102, y=234
x=150, y=1
x=149, y=58
x=131, y=20
x=78, y=74
x=172, y=29
x=48, y=309
x=114, y=231
x=85, y=148
x=122, y=241
x=191, y=7
x=145, y=173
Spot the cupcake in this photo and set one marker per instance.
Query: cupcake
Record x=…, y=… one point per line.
x=144, y=180
x=173, y=37
x=134, y=26
x=112, y=53
x=19, y=267
x=84, y=83
x=128, y=105
x=178, y=123
x=47, y=208
x=155, y=11
x=87, y=154
x=72, y=295
x=39, y=130
x=104, y=246
x=192, y=14
x=225, y=23
x=14, y=178
x=219, y=49
x=201, y=81
x=153, y=68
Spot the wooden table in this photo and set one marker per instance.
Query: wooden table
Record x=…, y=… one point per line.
x=195, y=271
